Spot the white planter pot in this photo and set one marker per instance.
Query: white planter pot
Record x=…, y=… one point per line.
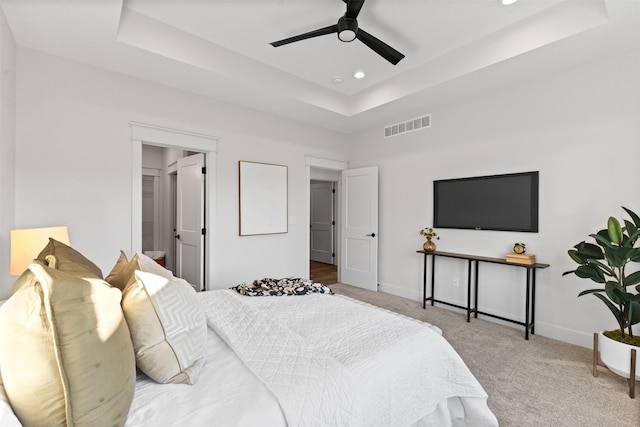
x=617, y=356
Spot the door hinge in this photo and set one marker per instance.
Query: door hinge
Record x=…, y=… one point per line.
x=204, y=170
x=333, y=190
x=333, y=223
x=204, y=231
x=333, y=255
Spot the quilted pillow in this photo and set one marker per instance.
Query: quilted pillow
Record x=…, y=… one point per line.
x=125, y=276
x=65, y=351
x=168, y=327
x=121, y=263
x=69, y=260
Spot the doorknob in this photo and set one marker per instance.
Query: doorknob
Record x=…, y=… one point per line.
x=372, y=235
x=177, y=236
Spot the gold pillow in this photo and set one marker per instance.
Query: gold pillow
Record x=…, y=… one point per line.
x=121, y=263
x=65, y=351
x=168, y=327
x=70, y=260
x=125, y=277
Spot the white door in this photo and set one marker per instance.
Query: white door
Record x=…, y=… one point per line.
x=322, y=222
x=190, y=227
x=359, y=260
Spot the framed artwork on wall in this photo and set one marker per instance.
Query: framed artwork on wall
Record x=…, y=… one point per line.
x=263, y=207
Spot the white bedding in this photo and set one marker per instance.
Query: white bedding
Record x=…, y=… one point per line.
x=226, y=394
x=394, y=376
x=331, y=360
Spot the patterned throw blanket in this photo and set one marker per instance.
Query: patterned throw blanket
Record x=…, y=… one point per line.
x=277, y=287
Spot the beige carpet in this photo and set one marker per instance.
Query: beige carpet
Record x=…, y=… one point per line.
x=540, y=382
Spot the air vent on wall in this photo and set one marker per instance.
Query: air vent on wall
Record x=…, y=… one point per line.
x=408, y=126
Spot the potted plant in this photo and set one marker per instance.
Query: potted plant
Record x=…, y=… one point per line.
x=430, y=234
x=605, y=262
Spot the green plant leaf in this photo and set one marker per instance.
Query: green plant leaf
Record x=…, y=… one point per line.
x=586, y=250
x=608, y=271
x=589, y=272
x=590, y=291
x=623, y=297
x=614, y=230
x=603, y=240
x=614, y=290
x=634, y=216
x=617, y=256
x=630, y=228
x=632, y=279
x=634, y=313
x=635, y=255
x=575, y=256
x=633, y=236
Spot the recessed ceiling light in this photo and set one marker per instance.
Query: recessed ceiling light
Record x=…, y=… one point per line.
x=507, y=2
x=359, y=75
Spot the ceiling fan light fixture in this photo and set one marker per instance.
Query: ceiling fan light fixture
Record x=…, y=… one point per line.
x=347, y=29
x=347, y=36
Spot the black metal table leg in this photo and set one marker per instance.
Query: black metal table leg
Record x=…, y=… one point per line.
x=533, y=301
x=469, y=291
x=526, y=309
x=475, y=308
x=433, y=280
x=424, y=283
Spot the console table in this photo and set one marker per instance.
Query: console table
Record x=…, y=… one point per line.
x=473, y=261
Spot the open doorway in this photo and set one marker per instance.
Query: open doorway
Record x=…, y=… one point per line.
x=323, y=225
x=323, y=236
x=357, y=223
x=185, y=143
x=173, y=211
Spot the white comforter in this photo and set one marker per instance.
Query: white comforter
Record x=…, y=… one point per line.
x=397, y=369
x=331, y=360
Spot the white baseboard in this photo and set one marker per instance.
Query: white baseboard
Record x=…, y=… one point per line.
x=548, y=330
x=400, y=292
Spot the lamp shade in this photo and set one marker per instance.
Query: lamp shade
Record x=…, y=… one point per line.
x=26, y=244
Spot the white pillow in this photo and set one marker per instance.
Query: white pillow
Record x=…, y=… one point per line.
x=168, y=327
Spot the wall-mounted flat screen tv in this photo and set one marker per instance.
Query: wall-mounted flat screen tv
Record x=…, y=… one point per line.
x=498, y=202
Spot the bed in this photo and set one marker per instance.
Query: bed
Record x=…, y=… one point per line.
x=317, y=359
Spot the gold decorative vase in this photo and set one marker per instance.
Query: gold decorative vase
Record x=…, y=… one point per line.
x=429, y=246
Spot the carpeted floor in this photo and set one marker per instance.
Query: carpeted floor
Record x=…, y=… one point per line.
x=540, y=382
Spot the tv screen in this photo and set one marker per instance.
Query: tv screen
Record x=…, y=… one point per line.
x=498, y=202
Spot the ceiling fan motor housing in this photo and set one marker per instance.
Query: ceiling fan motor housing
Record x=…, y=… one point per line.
x=347, y=29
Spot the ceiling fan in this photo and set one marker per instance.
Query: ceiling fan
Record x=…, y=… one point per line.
x=347, y=30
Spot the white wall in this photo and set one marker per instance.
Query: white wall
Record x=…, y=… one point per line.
x=73, y=162
x=7, y=148
x=579, y=128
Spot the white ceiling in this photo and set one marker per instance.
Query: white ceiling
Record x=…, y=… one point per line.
x=220, y=48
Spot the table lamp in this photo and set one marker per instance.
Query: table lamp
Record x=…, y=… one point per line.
x=26, y=244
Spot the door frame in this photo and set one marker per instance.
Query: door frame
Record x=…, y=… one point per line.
x=172, y=138
x=318, y=163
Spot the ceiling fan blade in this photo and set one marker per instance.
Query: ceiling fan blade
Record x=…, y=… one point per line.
x=380, y=47
x=353, y=8
x=315, y=33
